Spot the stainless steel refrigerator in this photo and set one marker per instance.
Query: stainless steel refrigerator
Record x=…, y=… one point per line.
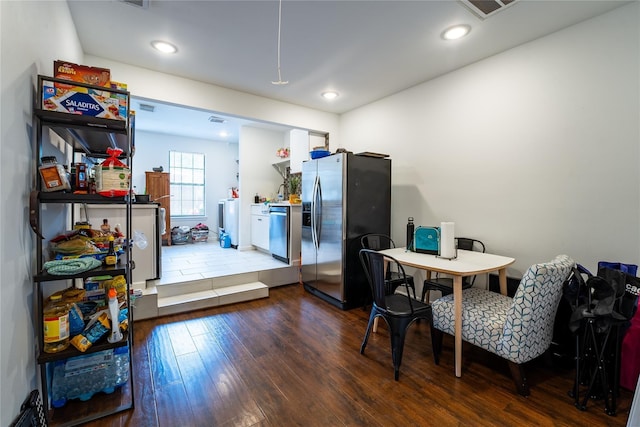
x=344, y=196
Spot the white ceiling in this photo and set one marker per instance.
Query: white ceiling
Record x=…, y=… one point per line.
x=365, y=50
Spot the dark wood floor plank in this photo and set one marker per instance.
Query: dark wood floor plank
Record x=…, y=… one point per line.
x=196, y=326
x=180, y=338
x=146, y=412
x=292, y=359
x=200, y=393
x=234, y=404
x=174, y=408
x=320, y=353
x=302, y=403
x=164, y=367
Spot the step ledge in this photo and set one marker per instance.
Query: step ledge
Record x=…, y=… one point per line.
x=211, y=294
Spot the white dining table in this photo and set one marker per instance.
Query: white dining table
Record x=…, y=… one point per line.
x=466, y=263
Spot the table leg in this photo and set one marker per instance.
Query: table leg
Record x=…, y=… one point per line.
x=503, y=280
x=457, y=304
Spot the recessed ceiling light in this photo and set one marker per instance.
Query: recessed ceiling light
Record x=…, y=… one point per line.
x=330, y=94
x=456, y=32
x=164, y=47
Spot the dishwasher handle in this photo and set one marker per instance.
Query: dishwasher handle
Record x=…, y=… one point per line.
x=277, y=210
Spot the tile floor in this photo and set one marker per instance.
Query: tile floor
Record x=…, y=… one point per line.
x=193, y=261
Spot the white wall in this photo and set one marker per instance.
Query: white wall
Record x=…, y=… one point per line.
x=32, y=35
x=257, y=175
x=534, y=151
x=152, y=150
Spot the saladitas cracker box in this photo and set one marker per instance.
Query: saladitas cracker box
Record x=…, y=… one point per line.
x=86, y=101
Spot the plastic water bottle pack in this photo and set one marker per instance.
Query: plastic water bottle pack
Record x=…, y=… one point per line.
x=83, y=376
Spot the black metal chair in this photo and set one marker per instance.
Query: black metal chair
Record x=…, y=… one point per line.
x=393, y=279
x=445, y=284
x=398, y=311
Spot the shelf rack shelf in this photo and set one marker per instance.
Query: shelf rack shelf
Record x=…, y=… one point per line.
x=73, y=352
x=90, y=137
x=94, y=199
x=119, y=270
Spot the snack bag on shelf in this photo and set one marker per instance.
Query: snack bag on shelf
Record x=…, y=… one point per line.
x=76, y=245
x=76, y=320
x=92, y=333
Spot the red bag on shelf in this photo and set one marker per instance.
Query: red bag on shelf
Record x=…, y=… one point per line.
x=112, y=176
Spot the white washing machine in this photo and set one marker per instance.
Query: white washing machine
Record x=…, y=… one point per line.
x=229, y=219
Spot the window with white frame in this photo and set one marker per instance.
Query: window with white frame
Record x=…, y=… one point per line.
x=186, y=172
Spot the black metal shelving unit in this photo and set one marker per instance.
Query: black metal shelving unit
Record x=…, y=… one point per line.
x=90, y=136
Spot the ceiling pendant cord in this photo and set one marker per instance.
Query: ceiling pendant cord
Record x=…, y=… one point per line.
x=279, y=82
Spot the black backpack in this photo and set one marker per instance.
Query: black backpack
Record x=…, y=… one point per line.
x=574, y=294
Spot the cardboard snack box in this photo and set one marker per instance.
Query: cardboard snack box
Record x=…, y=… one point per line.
x=81, y=73
x=84, y=101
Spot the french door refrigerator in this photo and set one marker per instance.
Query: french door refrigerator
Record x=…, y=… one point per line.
x=344, y=196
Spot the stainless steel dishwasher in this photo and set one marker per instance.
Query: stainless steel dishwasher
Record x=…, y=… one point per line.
x=279, y=232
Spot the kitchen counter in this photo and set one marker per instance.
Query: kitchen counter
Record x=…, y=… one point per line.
x=283, y=203
x=260, y=207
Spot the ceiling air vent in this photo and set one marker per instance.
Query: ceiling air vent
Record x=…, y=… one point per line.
x=216, y=119
x=147, y=107
x=143, y=4
x=486, y=8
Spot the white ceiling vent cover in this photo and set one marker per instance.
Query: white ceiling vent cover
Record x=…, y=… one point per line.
x=143, y=4
x=486, y=8
x=216, y=119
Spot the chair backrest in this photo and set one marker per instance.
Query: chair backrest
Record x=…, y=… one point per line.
x=469, y=244
x=528, y=329
x=373, y=263
x=377, y=241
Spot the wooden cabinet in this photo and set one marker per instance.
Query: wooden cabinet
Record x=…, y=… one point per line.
x=159, y=189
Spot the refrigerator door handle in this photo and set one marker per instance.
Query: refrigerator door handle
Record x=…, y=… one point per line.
x=318, y=202
x=314, y=237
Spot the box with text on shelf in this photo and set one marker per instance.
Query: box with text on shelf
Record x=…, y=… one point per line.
x=106, y=103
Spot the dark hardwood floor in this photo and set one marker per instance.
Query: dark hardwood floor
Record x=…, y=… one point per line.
x=293, y=359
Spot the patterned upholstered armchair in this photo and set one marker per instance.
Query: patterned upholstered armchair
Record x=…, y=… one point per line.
x=518, y=329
